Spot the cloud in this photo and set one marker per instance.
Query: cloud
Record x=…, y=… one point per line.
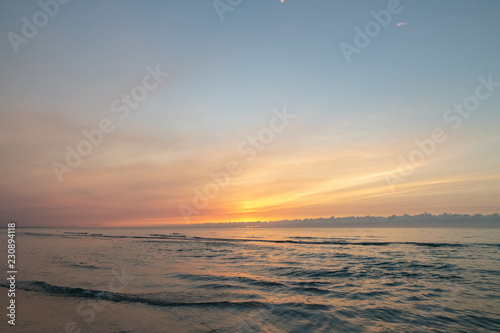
x=400, y=24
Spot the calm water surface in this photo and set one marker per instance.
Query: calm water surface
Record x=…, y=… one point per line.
x=258, y=280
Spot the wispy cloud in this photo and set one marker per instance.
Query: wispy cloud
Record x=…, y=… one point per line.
x=400, y=24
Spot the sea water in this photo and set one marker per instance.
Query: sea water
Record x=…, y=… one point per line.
x=256, y=280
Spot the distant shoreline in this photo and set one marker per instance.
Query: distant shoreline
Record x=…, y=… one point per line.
x=395, y=221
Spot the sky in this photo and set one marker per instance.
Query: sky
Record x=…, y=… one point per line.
x=131, y=113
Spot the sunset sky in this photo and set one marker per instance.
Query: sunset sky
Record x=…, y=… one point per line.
x=261, y=95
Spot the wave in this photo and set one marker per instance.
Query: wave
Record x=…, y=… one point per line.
x=237, y=279
x=154, y=299
x=291, y=240
x=81, y=265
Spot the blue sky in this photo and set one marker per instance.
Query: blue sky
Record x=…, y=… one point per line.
x=225, y=78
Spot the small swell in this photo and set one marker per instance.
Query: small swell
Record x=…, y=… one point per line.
x=238, y=279
x=154, y=299
x=295, y=240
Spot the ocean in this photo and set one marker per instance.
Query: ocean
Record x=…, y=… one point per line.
x=256, y=280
